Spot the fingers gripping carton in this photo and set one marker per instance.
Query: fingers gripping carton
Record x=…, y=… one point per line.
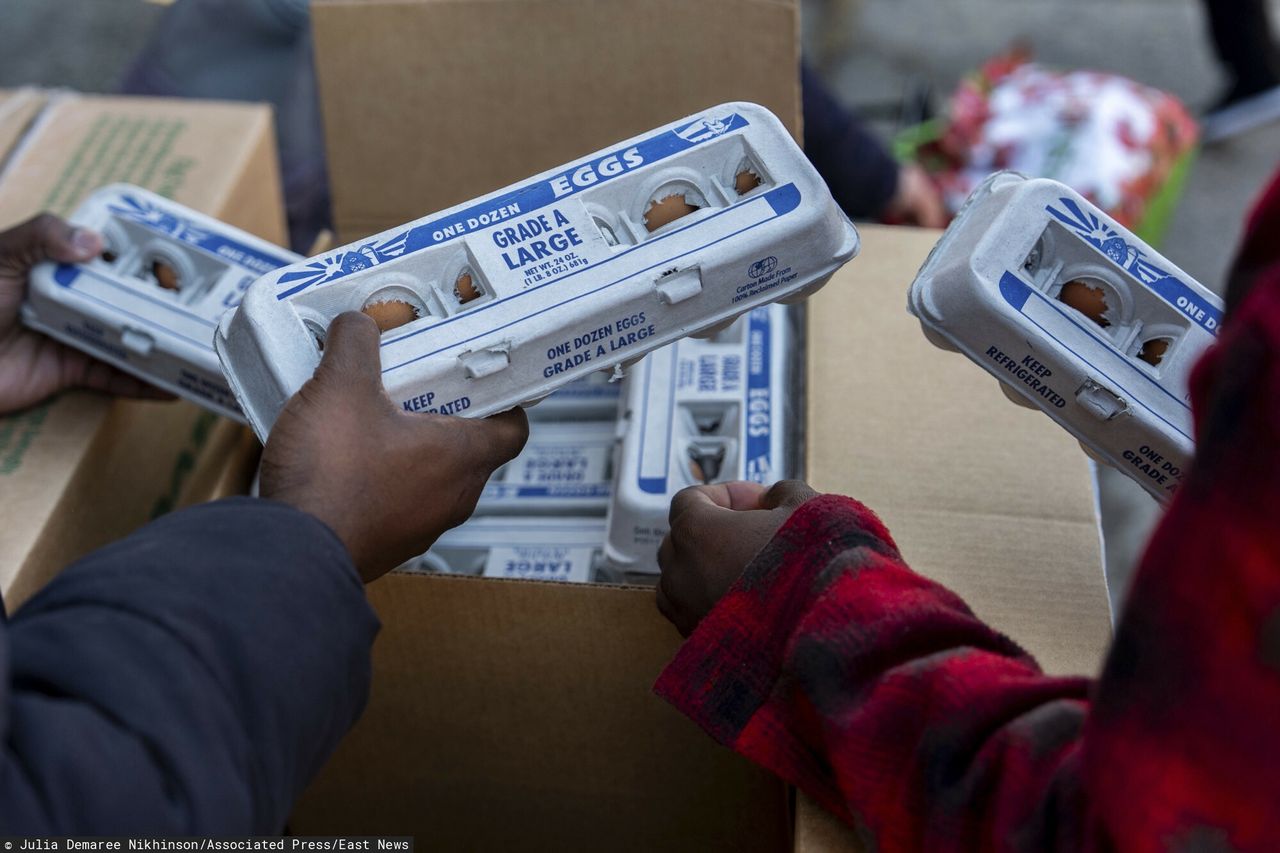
x=149, y=304
x=697, y=412
x=1076, y=317
x=500, y=301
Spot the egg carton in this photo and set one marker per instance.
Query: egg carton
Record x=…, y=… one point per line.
x=697, y=412
x=150, y=303
x=1076, y=317
x=520, y=548
x=595, y=396
x=500, y=301
x=565, y=468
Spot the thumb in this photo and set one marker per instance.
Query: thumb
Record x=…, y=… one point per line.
x=788, y=494
x=495, y=440
x=45, y=238
x=351, y=358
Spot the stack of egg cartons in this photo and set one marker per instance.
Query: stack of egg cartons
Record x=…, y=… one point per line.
x=587, y=499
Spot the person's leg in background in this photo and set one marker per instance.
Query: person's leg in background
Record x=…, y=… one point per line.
x=1245, y=44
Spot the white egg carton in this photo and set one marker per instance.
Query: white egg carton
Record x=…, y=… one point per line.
x=566, y=468
x=702, y=411
x=151, y=302
x=595, y=396
x=1115, y=379
x=521, y=291
x=520, y=548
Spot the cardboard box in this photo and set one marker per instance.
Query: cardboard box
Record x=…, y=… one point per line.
x=82, y=470
x=518, y=715
x=18, y=108
x=428, y=104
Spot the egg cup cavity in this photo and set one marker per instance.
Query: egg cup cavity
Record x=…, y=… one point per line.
x=1155, y=344
x=745, y=177
x=1098, y=295
x=115, y=245
x=611, y=230
x=463, y=286
x=664, y=199
x=393, y=306
x=707, y=458
x=167, y=269
x=319, y=331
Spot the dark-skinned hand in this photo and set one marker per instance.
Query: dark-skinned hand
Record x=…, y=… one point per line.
x=33, y=366
x=387, y=482
x=716, y=531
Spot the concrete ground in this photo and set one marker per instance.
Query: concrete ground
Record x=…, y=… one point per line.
x=872, y=51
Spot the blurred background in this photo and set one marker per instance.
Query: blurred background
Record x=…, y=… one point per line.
x=893, y=60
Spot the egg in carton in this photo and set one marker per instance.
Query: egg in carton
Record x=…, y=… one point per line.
x=699, y=412
x=499, y=301
x=150, y=303
x=1076, y=317
x=565, y=468
x=520, y=548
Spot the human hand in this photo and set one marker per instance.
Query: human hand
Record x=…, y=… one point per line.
x=387, y=482
x=33, y=366
x=716, y=531
x=917, y=201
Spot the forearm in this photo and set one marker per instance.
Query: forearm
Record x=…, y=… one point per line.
x=192, y=677
x=881, y=695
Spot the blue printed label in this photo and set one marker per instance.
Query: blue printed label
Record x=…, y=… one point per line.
x=153, y=218
x=525, y=207
x=1099, y=234
x=760, y=398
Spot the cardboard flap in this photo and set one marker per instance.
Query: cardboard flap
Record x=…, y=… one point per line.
x=994, y=500
x=511, y=715
x=428, y=104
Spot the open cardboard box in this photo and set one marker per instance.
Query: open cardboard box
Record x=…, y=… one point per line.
x=82, y=470
x=518, y=715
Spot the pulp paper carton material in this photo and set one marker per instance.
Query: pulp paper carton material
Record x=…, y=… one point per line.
x=82, y=470
x=565, y=468
x=1077, y=317
x=517, y=715
x=523, y=547
x=502, y=300
x=150, y=303
x=427, y=104
x=702, y=411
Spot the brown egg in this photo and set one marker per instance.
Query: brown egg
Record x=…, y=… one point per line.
x=465, y=288
x=1153, y=351
x=1089, y=300
x=391, y=313
x=165, y=275
x=745, y=181
x=667, y=209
